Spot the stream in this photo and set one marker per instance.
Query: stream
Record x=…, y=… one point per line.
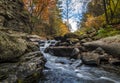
x=66, y=70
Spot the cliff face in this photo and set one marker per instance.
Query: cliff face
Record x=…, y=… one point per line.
x=19, y=61
x=13, y=15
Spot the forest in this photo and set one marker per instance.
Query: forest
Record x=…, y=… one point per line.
x=42, y=13
x=59, y=41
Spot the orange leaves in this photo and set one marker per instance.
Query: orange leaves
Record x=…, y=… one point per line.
x=38, y=8
x=48, y=20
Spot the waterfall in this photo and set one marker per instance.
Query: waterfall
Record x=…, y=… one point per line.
x=46, y=43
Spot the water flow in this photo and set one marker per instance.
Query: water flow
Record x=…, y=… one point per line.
x=65, y=70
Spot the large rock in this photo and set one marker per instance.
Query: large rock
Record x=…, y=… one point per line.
x=110, y=44
x=89, y=58
x=11, y=47
x=68, y=39
x=18, y=60
x=114, y=61
x=70, y=35
x=64, y=51
x=13, y=15
x=27, y=70
x=95, y=57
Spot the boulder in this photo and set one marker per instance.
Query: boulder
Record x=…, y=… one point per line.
x=90, y=58
x=11, y=47
x=95, y=57
x=72, y=40
x=62, y=44
x=29, y=66
x=70, y=35
x=111, y=45
x=13, y=15
x=59, y=38
x=83, y=36
x=18, y=60
x=63, y=51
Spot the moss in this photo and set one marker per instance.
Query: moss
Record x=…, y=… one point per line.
x=108, y=31
x=83, y=31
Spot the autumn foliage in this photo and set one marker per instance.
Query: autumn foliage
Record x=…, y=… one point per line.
x=46, y=17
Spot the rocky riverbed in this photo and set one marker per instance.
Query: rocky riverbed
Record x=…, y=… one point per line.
x=103, y=52
x=85, y=67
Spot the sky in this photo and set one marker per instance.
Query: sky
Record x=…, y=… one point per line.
x=78, y=7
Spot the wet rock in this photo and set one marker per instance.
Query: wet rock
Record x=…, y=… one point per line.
x=114, y=61
x=75, y=52
x=72, y=40
x=64, y=51
x=62, y=44
x=90, y=58
x=99, y=50
x=95, y=57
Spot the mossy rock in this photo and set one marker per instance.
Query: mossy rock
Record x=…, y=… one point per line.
x=11, y=47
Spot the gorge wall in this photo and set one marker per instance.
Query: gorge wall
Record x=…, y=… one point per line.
x=13, y=15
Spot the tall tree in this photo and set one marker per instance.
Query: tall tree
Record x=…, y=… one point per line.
x=47, y=15
x=67, y=8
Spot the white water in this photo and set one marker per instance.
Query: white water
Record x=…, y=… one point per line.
x=65, y=70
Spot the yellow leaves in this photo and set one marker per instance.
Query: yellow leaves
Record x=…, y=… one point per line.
x=94, y=22
x=64, y=29
x=48, y=21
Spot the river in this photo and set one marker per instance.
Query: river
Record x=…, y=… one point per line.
x=65, y=70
